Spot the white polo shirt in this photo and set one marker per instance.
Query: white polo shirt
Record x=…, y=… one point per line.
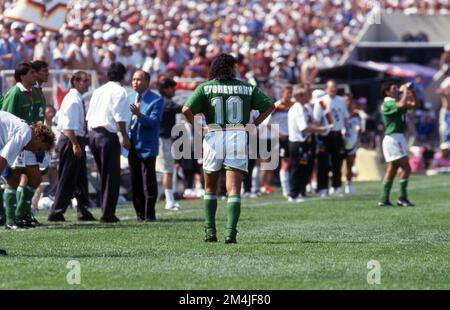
x=71, y=114
x=337, y=109
x=108, y=106
x=299, y=117
x=14, y=136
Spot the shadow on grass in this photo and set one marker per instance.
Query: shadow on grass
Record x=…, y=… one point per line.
x=315, y=242
x=122, y=225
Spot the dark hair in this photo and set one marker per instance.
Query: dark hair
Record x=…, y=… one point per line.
x=116, y=72
x=21, y=70
x=166, y=83
x=38, y=65
x=386, y=87
x=76, y=77
x=48, y=137
x=222, y=68
x=349, y=95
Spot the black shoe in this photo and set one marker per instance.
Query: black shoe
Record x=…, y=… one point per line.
x=229, y=240
x=58, y=217
x=24, y=223
x=404, y=202
x=34, y=221
x=385, y=204
x=111, y=219
x=88, y=217
x=3, y=252
x=2, y=221
x=150, y=219
x=210, y=238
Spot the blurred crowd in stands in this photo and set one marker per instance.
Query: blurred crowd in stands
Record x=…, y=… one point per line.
x=274, y=41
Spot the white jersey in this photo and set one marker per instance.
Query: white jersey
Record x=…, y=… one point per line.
x=299, y=116
x=279, y=117
x=354, y=126
x=337, y=109
x=14, y=136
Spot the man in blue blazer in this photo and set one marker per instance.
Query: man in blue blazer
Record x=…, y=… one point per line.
x=147, y=108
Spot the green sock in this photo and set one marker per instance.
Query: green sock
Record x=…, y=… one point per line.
x=403, y=189
x=233, y=212
x=385, y=193
x=10, y=205
x=24, y=196
x=210, y=206
x=2, y=209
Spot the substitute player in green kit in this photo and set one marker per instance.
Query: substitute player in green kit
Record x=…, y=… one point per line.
x=395, y=105
x=226, y=104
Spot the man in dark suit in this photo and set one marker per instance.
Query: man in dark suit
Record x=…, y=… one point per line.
x=147, y=108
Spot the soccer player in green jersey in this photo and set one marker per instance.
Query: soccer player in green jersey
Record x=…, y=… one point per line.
x=395, y=105
x=226, y=104
x=24, y=101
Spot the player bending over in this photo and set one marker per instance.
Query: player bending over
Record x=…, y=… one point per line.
x=226, y=104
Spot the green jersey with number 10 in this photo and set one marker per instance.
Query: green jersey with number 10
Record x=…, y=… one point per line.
x=228, y=103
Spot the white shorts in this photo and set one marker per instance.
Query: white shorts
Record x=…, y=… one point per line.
x=28, y=158
x=225, y=149
x=164, y=161
x=394, y=147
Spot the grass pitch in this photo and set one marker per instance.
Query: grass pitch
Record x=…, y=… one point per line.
x=319, y=244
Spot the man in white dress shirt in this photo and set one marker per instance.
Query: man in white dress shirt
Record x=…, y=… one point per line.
x=72, y=172
x=333, y=143
x=107, y=115
x=301, y=143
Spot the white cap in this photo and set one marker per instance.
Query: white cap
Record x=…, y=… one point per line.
x=16, y=25
x=317, y=93
x=97, y=35
x=31, y=27
x=447, y=47
x=444, y=146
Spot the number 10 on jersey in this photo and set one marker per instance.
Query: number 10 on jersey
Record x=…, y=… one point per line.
x=233, y=106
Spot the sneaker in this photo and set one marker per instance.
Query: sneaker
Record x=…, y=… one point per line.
x=266, y=189
x=230, y=240
x=300, y=198
x=338, y=192
x=385, y=204
x=11, y=227
x=172, y=207
x=404, y=202
x=3, y=252
x=323, y=193
x=291, y=199
x=349, y=189
x=255, y=194
x=34, y=221
x=24, y=223
x=210, y=238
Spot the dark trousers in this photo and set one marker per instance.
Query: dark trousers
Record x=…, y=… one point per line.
x=105, y=147
x=144, y=185
x=302, y=156
x=72, y=178
x=248, y=177
x=330, y=156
